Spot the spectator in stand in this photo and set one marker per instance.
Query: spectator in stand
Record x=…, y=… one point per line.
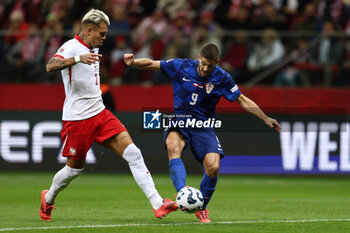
x=54, y=35
x=236, y=4
x=257, y=10
x=302, y=4
x=289, y=8
x=156, y=23
x=5, y=10
x=118, y=19
x=62, y=10
x=329, y=53
x=346, y=27
x=207, y=31
x=266, y=53
x=32, y=11
x=343, y=77
x=181, y=22
x=117, y=66
x=173, y=7
x=238, y=18
x=76, y=27
x=53, y=39
x=18, y=29
x=294, y=74
x=119, y=29
x=207, y=20
x=307, y=22
x=179, y=47
x=26, y=57
x=271, y=18
x=152, y=48
x=331, y=10
x=219, y=9
x=236, y=65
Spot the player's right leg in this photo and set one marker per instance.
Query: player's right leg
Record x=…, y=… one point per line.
x=123, y=145
x=77, y=138
x=60, y=181
x=175, y=143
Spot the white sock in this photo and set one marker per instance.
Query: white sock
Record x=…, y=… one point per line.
x=142, y=176
x=60, y=181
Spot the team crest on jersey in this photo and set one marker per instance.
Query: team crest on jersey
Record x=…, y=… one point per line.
x=209, y=87
x=72, y=151
x=61, y=50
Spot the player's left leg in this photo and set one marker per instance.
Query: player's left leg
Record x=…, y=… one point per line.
x=209, y=154
x=211, y=164
x=123, y=145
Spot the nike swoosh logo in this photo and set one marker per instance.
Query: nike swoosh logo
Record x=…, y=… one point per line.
x=185, y=79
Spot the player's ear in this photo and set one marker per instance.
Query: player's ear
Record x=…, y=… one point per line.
x=199, y=56
x=89, y=29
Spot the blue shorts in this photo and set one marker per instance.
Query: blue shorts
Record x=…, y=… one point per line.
x=202, y=141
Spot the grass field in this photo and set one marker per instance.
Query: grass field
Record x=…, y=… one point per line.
x=113, y=203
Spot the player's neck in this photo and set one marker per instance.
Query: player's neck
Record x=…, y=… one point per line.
x=83, y=37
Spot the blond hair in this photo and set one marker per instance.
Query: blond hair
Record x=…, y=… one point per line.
x=95, y=16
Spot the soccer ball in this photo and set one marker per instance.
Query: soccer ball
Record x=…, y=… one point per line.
x=189, y=200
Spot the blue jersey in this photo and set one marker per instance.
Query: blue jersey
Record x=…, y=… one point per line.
x=195, y=95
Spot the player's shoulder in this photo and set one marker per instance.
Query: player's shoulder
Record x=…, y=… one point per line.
x=221, y=74
x=178, y=60
x=178, y=63
x=68, y=45
x=71, y=42
x=220, y=71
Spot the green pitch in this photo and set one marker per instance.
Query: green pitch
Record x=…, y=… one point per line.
x=113, y=203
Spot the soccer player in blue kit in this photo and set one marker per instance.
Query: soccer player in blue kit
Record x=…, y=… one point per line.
x=198, y=86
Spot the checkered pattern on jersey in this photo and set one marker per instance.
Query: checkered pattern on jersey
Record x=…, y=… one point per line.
x=196, y=95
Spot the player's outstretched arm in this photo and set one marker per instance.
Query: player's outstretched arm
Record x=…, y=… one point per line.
x=57, y=63
x=251, y=107
x=141, y=63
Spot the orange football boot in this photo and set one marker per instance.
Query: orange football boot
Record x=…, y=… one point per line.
x=167, y=207
x=45, y=209
x=202, y=215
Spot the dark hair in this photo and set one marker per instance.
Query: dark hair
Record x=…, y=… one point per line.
x=210, y=52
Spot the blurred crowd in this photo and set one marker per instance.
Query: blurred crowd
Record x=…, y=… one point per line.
x=301, y=42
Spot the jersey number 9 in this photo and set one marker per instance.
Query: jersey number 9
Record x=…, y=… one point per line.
x=194, y=99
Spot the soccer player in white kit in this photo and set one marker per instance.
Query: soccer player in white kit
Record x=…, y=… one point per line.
x=86, y=120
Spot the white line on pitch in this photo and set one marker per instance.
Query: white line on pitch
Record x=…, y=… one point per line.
x=174, y=224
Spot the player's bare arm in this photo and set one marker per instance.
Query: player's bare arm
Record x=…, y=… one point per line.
x=57, y=63
x=251, y=107
x=141, y=63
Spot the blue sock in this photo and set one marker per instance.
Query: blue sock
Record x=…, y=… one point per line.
x=207, y=188
x=177, y=173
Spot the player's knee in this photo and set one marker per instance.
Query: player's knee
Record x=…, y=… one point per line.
x=213, y=170
x=69, y=174
x=132, y=154
x=173, y=147
x=73, y=172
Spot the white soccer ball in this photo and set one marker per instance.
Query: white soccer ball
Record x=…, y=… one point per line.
x=189, y=200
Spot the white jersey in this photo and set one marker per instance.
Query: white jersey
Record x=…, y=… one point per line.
x=81, y=83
